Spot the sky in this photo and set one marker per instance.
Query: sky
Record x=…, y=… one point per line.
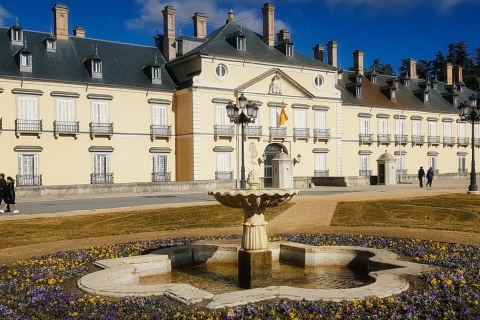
x=390, y=30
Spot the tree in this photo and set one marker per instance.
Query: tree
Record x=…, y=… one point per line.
x=438, y=64
x=378, y=67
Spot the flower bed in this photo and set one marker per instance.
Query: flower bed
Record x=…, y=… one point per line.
x=37, y=288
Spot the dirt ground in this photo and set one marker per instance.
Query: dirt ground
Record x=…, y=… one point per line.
x=311, y=214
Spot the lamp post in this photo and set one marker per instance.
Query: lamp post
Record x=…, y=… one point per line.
x=471, y=112
x=237, y=115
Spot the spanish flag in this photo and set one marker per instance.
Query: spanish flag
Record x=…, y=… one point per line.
x=283, y=116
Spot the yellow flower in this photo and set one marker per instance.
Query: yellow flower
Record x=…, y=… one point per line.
x=433, y=281
x=449, y=282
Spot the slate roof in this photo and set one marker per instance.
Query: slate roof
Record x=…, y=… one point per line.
x=256, y=49
x=438, y=100
x=121, y=63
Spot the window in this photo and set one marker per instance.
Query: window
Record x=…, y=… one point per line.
x=221, y=71
x=275, y=116
x=300, y=116
x=318, y=81
x=462, y=163
x=155, y=73
x=65, y=115
x=364, y=126
x=289, y=50
x=447, y=129
x=461, y=130
x=100, y=118
x=241, y=43
x=400, y=162
x=26, y=60
x=97, y=66
x=160, y=168
x=17, y=35
x=224, y=171
x=382, y=126
x=400, y=127
x=416, y=128
x=27, y=107
x=51, y=45
x=432, y=128
x=365, y=165
x=321, y=165
x=432, y=162
x=28, y=172
x=320, y=119
x=101, y=168
x=159, y=115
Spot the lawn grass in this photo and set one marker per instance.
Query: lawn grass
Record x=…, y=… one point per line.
x=456, y=212
x=21, y=232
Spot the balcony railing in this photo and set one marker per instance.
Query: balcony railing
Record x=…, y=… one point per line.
x=301, y=133
x=278, y=132
x=463, y=141
x=433, y=140
x=29, y=180
x=320, y=173
x=402, y=172
x=418, y=139
x=401, y=138
x=223, y=175
x=384, y=138
x=365, y=173
x=365, y=137
x=160, y=131
x=161, y=177
x=321, y=134
x=252, y=131
x=220, y=130
x=101, y=129
x=476, y=142
x=28, y=126
x=450, y=141
x=101, y=178
x=65, y=128
x=462, y=170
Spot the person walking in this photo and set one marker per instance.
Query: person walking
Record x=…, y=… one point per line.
x=421, y=174
x=3, y=190
x=9, y=196
x=429, y=177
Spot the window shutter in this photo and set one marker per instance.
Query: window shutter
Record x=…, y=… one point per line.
x=221, y=117
x=223, y=162
x=447, y=129
x=382, y=126
x=159, y=164
x=274, y=116
x=432, y=128
x=320, y=120
x=320, y=162
x=364, y=125
x=159, y=115
x=461, y=130
x=416, y=128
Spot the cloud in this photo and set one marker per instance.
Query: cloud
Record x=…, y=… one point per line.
x=4, y=14
x=247, y=13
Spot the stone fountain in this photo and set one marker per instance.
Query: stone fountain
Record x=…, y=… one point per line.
x=254, y=258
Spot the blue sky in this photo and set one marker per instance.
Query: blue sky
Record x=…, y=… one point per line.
x=391, y=30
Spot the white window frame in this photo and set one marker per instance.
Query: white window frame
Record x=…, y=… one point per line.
x=300, y=118
x=462, y=163
x=433, y=162
x=400, y=161
x=96, y=66
x=241, y=43
x=432, y=128
x=382, y=126
x=155, y=72
x=65, y=109
x=102, y=159
x=447, y=129
x=364, y=125
x=27, y=107
x=400, y=127
x=364, y=162
x=223, y=161
x=318, y=81
x=289, y=50
x=17, y=35
x=275, y=116
x=320, y=119
x=416, y=128
x=462, y=129
x=159, y=114
x=221, y=71
x=26, y=60
x=221, y=117
x=100, y=111
x=160, y=163
x=30, y=169
x=320, y=161
x=51, y=45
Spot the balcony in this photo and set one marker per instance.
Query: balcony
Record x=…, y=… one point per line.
x=65, y=128
x=462, y=170
x=278, y=132
x=161, y=177
x=29, y=180
x=223, y=175
x=449, y=141
x=301, y=134
x=463, y=141
x=433, y=140
x=252, y=131
x=321, y=134
x=476, y=142
x=101, y=178
x=365, y=138
x=32, y=127
x=320, y=173
x=401, y=138
x=418, y=140
x=401, y=172
x=160, y=131
x=365, y=173
x=98, y=129
x=223, y=131
x=384, y=138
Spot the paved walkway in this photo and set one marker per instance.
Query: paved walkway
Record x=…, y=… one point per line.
x=312, y=213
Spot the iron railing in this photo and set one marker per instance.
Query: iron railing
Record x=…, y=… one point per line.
x=463, y=141
x=301, y=133
x=365, y=137
x=402, y=171
x=418, y=139
x=101, y=178
x=252, y=131
x=161, y=177
x=433, y=139
x=223, y=130
x=66, y=127
x=320, y=173
x=384, y=137
x=29, y=180
x=160, y=131
x=223, y=175
x=464, y=170
x=97, y=128
x=476, y=142
x=449, y=140
x=401, y=138
x=321, y=133
x=365, y=173
x=278, y=132
x=22, y=125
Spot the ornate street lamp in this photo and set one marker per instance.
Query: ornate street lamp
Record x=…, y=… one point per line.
x=469, y=111
x=237, y=115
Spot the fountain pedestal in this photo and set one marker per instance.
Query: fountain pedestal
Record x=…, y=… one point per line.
x=254, y=260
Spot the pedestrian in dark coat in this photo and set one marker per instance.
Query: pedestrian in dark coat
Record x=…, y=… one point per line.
x=430, y=177
x=3, y=189
x=421, y=174
x=9, y=195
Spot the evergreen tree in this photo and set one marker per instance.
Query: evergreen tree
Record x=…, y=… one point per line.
x=380, y=68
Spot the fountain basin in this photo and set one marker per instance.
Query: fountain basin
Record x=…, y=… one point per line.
x=121, y=277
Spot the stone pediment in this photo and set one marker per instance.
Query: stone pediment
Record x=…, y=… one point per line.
x=275, y=82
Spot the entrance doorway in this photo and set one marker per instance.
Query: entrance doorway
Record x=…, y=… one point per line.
x=270, y=152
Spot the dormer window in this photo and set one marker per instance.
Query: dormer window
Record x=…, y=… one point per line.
x=238, y=40
x=51, y=45
x=179, y=47
x=16, y=34
x=23, y=57
x=155, y=73
x=152, y=71
x=97, y=67
x=289, y=50
x=26, y=60
x=241, y=43
x=94, y=65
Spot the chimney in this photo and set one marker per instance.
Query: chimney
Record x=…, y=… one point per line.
x=268, y=11
x=332, y=53
x=60, y=20
x=318, y=53
x=79, y=32
x=457, y=74
x=283, y=35
x=447, y=73
x=412, y=68
x=199, y=25
x=231, y=17
x=358, y=61
x=169, y=50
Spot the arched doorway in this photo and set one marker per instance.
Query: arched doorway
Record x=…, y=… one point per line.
x=270, y=152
